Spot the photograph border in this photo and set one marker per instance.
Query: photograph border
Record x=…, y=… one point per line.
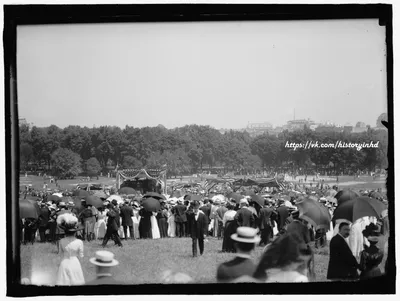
x=15, y=15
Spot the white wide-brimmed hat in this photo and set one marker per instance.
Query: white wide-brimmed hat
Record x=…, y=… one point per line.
x=243, y=201
x=246, y=235
x=104, y=259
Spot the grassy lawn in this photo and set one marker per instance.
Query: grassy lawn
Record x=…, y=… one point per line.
x=144, y=261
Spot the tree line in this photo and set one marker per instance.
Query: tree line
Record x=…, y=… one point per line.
x=190, y=149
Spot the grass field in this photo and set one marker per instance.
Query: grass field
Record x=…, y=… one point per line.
x=144, y=261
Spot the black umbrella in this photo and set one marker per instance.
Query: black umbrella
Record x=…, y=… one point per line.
x=315, y=213
x=29, y=209
x=126, y=190
x=94, y=201
x=258, y=199
x=151, y=204
x=53, y=198
x=345, y=195
x=359, y=207
x=80, y=193
x=233, y=195
x=154, y=195
x=376, y=195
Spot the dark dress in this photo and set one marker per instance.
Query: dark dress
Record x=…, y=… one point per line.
x=228, y=243
x=162, y=217
x=145, y=224
x=370, y=259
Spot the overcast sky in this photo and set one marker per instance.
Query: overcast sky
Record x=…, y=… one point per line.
x=222, y=74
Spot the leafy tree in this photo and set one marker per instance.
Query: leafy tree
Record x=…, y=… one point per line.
x=130, y=162
x=65, y=163
x=93, y=167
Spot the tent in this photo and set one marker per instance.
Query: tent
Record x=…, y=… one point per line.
x=159, y=176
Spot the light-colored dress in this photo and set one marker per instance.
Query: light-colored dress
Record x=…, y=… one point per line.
x=171, y=225
x=136, y=220
x=70, y=270
x=155, y=231
x=100, y=226
x=356, y=238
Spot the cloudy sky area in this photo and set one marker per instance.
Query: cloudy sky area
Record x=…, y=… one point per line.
x=223, y=74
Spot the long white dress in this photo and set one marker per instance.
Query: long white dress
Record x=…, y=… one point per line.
x=155, y=231
x=70, y=270
x=356, y=238
x=100, y=226
x=136, y=220
x=171, y=225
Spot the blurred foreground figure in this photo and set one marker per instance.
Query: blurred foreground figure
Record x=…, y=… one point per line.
x=245, y=239
x=170, y=277
x=104, y=261
x=286, y=259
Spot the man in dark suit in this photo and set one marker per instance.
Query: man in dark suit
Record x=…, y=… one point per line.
x=241, y=265
x=199, y=228
x=283, y=214
x=244, y=217
x=206, y=208
x=179, y=212
x=43, y=221
x=298, y=227
x=342, y=263
x=127, y=222
x=265, y=223
x=104, y=261
x=113, y=225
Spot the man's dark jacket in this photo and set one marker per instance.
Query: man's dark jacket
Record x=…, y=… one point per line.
x=342, y=264
x=126, y=215
x=180, y=213
x=245, y=218
x=198, y=228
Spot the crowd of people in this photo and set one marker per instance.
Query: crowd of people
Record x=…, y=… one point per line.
x=240, y=224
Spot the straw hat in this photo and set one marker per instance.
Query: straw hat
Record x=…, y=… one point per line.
x=246, y=235
x=243, y=202
x=104, y=259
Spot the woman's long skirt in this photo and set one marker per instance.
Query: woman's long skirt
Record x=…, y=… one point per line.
x=228, y=243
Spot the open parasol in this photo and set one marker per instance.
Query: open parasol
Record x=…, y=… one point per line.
x=345, y=195
x=359, y=207
x=151, y=204
x=29, y=209
x=314, y=213
x=94, y=201
x=81, y=193
x=53, y=198
x=233, y=195
x=258, y=199
x=126, y=190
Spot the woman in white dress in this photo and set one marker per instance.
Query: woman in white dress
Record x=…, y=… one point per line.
x=100, y=226
x=136, y=219
x=70, y=270
x=356, y=238
x=155, y=231
x=171, y=222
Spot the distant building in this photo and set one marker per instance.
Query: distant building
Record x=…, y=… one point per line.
x=360, y=124
x=299, y=124
x=326, y=128
x=256, y=129
x=359, y=129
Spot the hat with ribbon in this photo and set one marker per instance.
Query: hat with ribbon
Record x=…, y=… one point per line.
x=246, y=235
x=104, y=259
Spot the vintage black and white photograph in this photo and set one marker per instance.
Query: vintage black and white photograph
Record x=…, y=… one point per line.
x=231, y=151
